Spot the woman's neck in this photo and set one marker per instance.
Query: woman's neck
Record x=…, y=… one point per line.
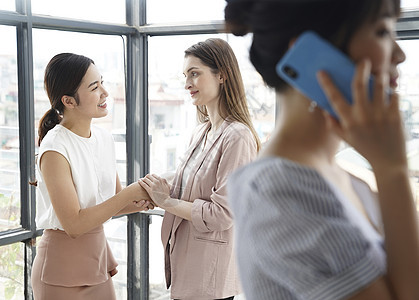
x=215, y=117
x=301, y=135
x=79, y=127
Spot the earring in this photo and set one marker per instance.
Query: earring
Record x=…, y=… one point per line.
x=312, y=106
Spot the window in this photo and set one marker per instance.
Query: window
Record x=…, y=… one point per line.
x=409, y=4
x=156, y=269
x=409, y=105
x=9, y=132
x=171, y=159
x=107, y=11
x=116, y=234
x=184, y=11
x=11, y=271
x=7, y=5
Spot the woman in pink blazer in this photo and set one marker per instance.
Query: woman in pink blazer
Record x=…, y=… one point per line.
x=197, y=230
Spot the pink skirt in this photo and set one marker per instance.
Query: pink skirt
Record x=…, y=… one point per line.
x=66, y=268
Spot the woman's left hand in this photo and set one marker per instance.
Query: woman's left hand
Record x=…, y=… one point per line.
x=157, y=188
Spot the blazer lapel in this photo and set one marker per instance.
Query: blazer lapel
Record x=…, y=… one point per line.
x=211, y=143
x=170, y=221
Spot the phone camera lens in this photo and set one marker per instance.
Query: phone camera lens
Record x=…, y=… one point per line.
x=290, y=72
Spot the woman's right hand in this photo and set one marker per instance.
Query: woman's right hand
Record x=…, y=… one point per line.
x=138, y=196
x=372, y=126
x=157, y=187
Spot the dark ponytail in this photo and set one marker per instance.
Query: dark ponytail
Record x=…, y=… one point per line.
x=47, y=122
x=63, y=76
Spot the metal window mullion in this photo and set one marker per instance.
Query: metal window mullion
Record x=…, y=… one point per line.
x=65, y=24
x=407, y=26
x=144, y=157
x=11, y=18
x=26, y=136
x=187, y=28
x=26, y=120
x=137, y=150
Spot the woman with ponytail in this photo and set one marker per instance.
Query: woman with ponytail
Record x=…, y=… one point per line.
x=78, y=186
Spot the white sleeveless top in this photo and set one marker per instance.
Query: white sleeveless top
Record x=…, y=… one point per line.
x=93, y=168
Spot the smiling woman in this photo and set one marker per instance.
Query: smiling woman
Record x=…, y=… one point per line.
x=201, y=82
x=78, y=186
x=196, y=205
x=89, y=102
x=173, y=117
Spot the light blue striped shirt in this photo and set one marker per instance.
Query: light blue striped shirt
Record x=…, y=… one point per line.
x=297, y=237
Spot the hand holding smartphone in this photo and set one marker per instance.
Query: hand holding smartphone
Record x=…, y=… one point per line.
x=310, y=54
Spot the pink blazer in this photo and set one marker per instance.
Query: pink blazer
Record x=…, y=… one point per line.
x=199, y=254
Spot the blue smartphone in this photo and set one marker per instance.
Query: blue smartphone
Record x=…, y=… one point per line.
x=310, y=54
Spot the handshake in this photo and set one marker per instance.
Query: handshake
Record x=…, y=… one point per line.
x=149, y=192
x=145, y=205
x=157, y=189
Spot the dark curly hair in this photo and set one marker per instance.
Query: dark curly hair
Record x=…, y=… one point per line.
x=274, y=23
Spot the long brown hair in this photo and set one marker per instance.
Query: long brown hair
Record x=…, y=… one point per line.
x=219, y=57
x=63, y=76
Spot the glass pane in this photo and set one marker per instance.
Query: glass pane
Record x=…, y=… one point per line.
x=184, y=10
x=409, y=99
x=173, y=117
x=9, y=132
x=12, y=271
x=409, y=4
x=108, y=54
x=156, y=264
x=107, y=11
x=116, y=233
x=7, y=5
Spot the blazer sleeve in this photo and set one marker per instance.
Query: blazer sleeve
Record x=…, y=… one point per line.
x=238, y=148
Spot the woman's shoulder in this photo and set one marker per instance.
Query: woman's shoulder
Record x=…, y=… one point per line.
x=236, y=127
x=277, y=180
x=54, y=136
x=259, y=176
x=270, y=170
x=235, y=131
